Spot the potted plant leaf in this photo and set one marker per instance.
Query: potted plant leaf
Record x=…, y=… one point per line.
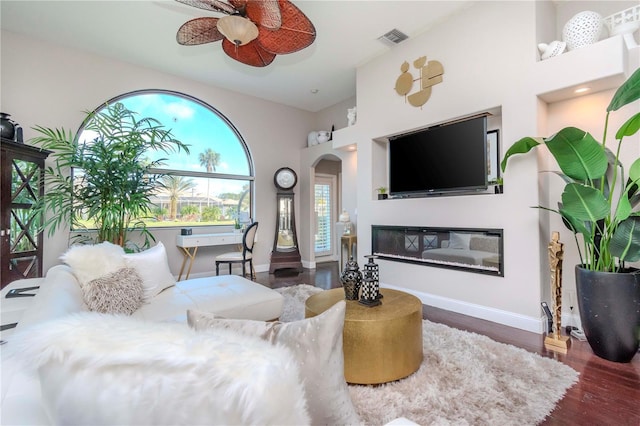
x=601, y=203
x=382, y=193
x=104, y=183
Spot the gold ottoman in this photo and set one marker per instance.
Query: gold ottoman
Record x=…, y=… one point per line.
x=381, y=344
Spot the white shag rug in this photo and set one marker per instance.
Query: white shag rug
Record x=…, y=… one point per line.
x=465, y=379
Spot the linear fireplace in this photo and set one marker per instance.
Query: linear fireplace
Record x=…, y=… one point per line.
x=471, y=250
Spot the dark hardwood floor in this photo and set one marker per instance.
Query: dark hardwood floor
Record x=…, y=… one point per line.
x=608, y=393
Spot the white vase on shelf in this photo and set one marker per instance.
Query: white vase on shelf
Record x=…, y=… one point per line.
x=552, y=49
x=323, y=136
x=625, y=23
x=583, y=29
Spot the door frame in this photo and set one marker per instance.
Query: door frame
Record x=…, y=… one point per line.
x=335, y=200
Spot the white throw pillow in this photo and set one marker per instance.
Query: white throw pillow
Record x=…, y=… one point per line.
x=92, y=261
x=317, y=345
x=99, y=369
x=153, y=267
x=459, y=240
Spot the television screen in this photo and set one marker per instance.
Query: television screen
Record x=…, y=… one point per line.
x=451, y=157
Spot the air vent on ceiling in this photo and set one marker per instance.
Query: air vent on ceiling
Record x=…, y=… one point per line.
x=393, y=37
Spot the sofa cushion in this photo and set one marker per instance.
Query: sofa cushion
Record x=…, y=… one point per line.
x=486, y=243
x=152, y=265
x=459, y=240
x=59, y=295
x=119, y=292
x=92, y=261
x=231, y=296
x=105, y=369
x=317, y=345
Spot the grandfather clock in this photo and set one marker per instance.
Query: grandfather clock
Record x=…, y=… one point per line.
x=285, y=253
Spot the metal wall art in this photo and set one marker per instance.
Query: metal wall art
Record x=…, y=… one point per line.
x=430, y=74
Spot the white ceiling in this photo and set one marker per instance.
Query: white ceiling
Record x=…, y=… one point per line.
x=142, y=32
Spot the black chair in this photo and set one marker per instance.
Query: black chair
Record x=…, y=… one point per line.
x=245, y=256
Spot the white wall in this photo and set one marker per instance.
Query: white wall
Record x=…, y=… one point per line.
x=335, y=115
x=51, y=86
x=489, y=53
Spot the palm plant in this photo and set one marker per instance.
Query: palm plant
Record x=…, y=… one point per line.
x=175, y=187
x=210, y=160
x=598, y=201
x=105, y=181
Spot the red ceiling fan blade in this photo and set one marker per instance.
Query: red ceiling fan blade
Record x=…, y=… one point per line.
x=295, y=33
x=239, y=4
x=249, y=54
x=211, y=5
x=265, y=13
x=199, y=31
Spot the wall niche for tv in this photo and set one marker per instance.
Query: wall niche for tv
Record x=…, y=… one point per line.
x=460, y=156
x=466, y=249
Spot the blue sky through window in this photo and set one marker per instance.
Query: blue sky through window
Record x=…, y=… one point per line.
x=196, y=126
x=200, y=128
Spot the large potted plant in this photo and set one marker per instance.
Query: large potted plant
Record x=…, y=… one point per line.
x=112, y=184
x=600, y=203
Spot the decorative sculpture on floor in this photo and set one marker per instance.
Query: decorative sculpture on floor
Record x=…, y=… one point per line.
x=554, y=340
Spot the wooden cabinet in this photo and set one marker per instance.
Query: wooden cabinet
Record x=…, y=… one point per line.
x=21, y=185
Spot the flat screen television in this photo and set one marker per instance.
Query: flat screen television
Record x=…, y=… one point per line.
x=445, y=158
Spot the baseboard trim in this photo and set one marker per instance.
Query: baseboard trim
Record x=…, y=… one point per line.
x=522, y=322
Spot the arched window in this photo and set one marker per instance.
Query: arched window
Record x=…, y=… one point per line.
x=210, y=185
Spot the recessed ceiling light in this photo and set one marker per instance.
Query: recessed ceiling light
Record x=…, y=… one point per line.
x=582, y=90
x=314, y=91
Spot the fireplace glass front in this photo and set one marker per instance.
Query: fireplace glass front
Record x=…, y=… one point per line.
x=472, y=250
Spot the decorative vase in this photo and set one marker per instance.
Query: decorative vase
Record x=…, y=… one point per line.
x=351, y=280
x=610, y=312
x=323, y=136
x=625, y=23
x=582, y=30
x=7, y=126
x=371, y=283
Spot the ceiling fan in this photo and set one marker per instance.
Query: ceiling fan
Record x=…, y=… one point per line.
x=252, y=32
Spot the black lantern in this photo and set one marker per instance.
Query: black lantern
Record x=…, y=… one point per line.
x=371, y=283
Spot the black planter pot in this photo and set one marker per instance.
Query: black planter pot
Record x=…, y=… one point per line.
x=610, y=312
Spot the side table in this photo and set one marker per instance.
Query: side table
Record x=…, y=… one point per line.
x=11, y=309
x=381, y=344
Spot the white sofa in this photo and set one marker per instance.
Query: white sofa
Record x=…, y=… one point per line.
x=60, y=295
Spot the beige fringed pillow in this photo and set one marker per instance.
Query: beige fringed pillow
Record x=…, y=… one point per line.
x=120, y=292
x=316, y=344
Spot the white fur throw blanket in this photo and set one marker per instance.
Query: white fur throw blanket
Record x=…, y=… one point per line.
x=113, y=370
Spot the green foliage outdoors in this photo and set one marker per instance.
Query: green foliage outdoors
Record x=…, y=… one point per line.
x=598, y=201
x=211, y=213
x=112, y=185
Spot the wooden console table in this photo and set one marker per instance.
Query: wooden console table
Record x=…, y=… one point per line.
x=189, y=245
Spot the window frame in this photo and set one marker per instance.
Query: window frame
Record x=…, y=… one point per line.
x=186, y=173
